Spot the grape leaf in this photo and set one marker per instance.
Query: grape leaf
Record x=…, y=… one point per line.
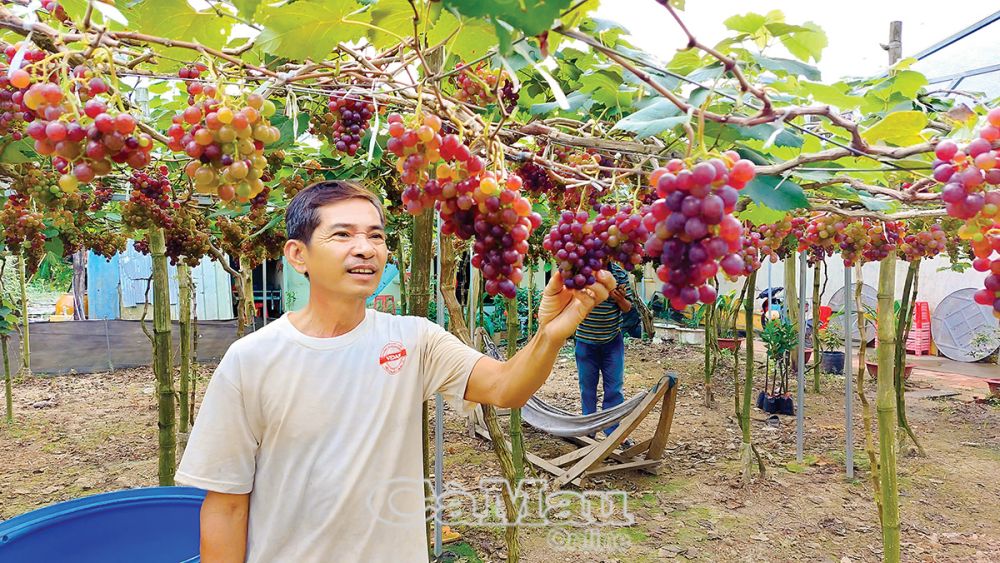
x=531, y=20
x=309, y=29
x=747, y=23
x=176, y=19
x=657, y=117
x=834, y=94
x=473, y=40
x=17, y=152
x=760, y=214
x=246, y=8
x=806, y=41
x=899, y=128
x=787, y=66
x=780, y=194
x=392, y=17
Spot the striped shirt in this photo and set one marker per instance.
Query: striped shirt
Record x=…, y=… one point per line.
x=604, y=323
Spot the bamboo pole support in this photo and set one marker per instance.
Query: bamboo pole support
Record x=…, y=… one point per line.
x=886, y=407
x=162, y=364
x=184, y=306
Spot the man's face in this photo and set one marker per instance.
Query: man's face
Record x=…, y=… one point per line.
x=347, y=251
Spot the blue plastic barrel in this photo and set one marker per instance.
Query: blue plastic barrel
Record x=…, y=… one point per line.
x=155, y=524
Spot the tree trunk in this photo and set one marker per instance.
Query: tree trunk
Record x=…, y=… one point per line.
x=184, y=279
x=903, y=323
x=711, y=351
x=866, y=411
x=25, y=344
x=815, y=324
x=403, y=295
x=449, y=269
x=506, y=459
x=886, y=406
x=747, y=449
x=162, y=364
x=8, y=387
x=194, y=357
x=79, y=285
x=420, y=294
x=516, y=435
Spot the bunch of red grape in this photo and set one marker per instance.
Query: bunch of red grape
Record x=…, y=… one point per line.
x=623, y=232
x=986, y=249
x=582, y=247
x=477, y=85
x=226, y=141
x=187, y=237
x=502, y=224
x=55, y=10
x=23, y=230
x=925, y=243
x=14, y=114
x=884, y=239
x=819, y=238
x=579, y=253
x=750, y=253
x=474, y=203
x=853, y=240
x=965, y=171
x=346, y=121
x=149, y=204
x=536, y=179
x=693, y=229
x=86, y=142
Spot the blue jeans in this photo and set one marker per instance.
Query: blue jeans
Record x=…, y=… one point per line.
x=593, y=361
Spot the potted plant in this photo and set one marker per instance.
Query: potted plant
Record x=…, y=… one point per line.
x=781, y=338
x=831, y=343
x=727, y=308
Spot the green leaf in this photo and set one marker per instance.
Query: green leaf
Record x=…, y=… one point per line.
x=309, y=29
x=18, y=152
x=732, y=134
x=287, y=126
x=246, y=8
x=474, y=39
x=685, y=62
x=780, y=194
x=874, y=204
x=605, y=87
x=787, y=66
x=176, y=19
x=394, y=18
x=531, y=20
x=747, y=23
x=835, y=95
x=899, y=128
x=576, y=101
x=805, y=44
x=760, y=215
x=657, y=117
x=55, y=246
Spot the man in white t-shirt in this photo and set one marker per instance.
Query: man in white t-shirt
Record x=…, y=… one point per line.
x=308, y=440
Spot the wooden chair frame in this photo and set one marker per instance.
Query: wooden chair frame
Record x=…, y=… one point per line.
x=599, y=457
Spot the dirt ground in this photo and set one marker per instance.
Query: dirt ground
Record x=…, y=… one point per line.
x=84, y=434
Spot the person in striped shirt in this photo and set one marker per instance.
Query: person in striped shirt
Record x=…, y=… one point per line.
x=600, y=348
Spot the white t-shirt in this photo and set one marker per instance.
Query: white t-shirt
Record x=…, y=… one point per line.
x=325, y=435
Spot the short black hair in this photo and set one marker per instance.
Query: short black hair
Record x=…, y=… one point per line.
x=302, y=214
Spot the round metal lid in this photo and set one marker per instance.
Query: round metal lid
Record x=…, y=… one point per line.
x=869, y=296
x=962, y=329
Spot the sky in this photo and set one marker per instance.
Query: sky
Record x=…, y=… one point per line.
x=854, y=28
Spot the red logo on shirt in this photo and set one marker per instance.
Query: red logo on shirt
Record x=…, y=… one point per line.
x=392, y=358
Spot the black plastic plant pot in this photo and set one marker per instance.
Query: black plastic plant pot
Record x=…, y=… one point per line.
x=760, y=400
x=786, y=405
x=771, y=404
x=832, y=362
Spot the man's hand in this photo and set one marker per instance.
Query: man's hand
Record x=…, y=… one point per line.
x=562, y=310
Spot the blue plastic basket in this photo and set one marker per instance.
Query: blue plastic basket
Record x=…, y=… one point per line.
x=156, y=524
